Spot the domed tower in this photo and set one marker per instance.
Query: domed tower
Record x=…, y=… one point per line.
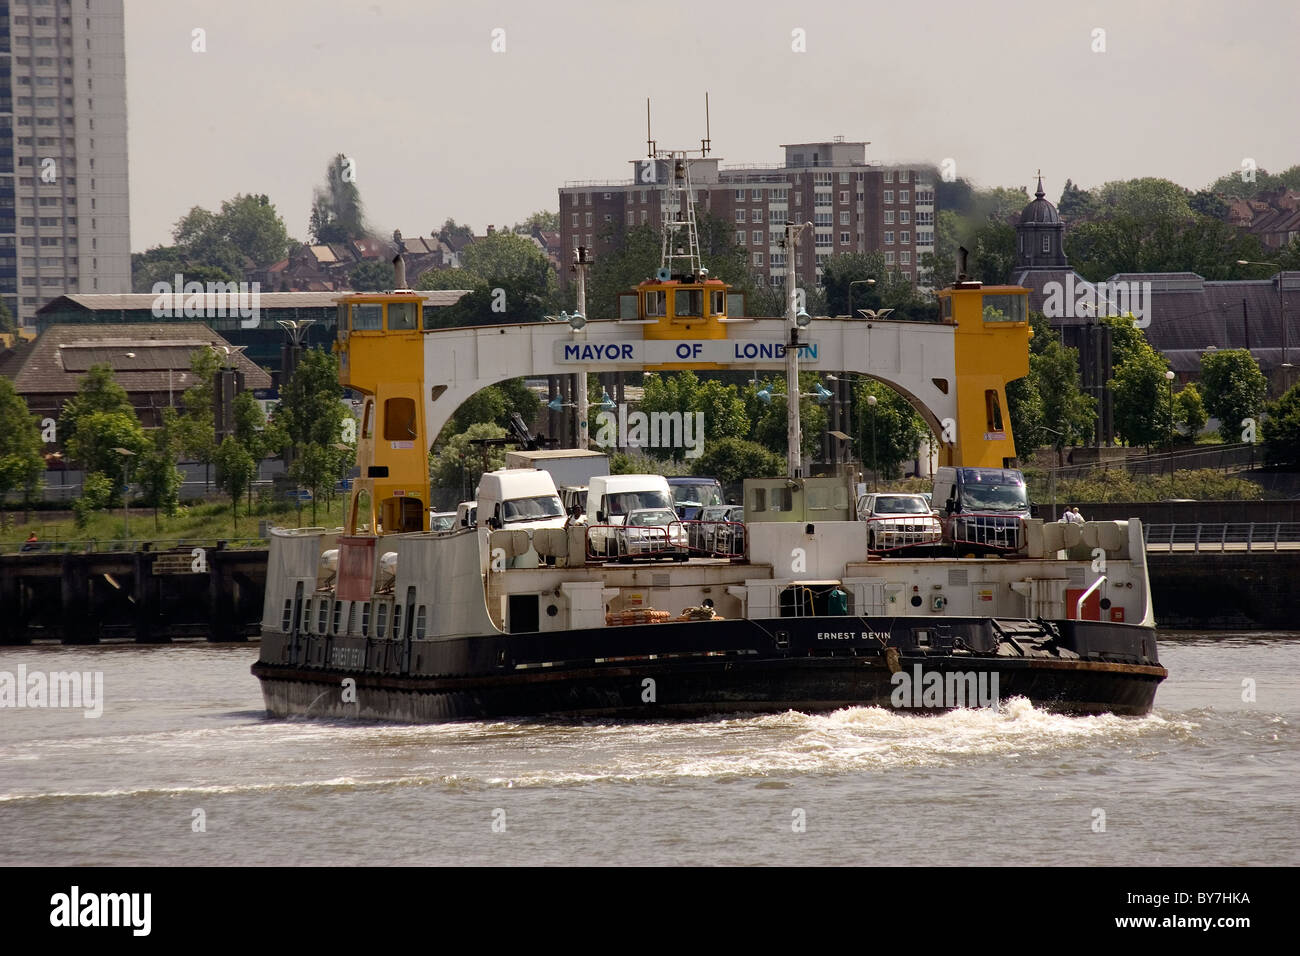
x=1040, y=237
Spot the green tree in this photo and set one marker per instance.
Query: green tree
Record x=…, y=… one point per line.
x=1281, y=429
x=1075, y=203
x=263, y=439
x=1025, y=409
x=1141, y=396
x=373, y=275
x=731, y=460
x=458, y=464
x=97, y=439
x=235, y=471
x=98, y=391
x=255, y=228
x=7, y=322
x=1126, y=339
x=769, y=419
x=522, y=399
x=994, y=252
x=494, y=404
x=310, y=414
x=723, y=409
x=848, y=272
x=1207, y=203
x=337, y=213
x=1235, y=186
x=1149, y=200
x=898, y=433
x=97, y=491
x=485, y=405
x=543, y=219
x=159, y=479
x=980, y=221
x=503, y=256
x=633, y=259
x=509, y=278
x=448, y=279
x=247, y=228
x=98, y=420
x=1189, y=410
x=1234, y=389
x=455, y=230
x=1068, y=416
x=197, y=428
x=164, y=263
x=21, y=464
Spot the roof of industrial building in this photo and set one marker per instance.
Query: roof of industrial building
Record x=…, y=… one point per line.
x=145, y=357
x=137, y=301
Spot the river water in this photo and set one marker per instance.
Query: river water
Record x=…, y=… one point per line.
x=183, y=767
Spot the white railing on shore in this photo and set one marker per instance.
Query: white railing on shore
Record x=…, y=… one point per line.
x=1222, y=536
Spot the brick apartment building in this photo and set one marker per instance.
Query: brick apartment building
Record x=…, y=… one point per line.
x=855, y=206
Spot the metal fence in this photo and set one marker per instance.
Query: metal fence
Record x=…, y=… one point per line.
x=680, y=539
x=997, y=532
x=1241, y=456
x=1226, y=536
x=129, y=545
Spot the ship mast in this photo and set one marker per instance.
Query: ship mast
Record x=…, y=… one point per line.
x=679, y=238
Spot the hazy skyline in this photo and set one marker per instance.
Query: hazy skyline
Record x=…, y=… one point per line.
x=439, y=125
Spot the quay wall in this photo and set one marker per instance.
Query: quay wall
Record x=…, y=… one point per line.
x=150, y=597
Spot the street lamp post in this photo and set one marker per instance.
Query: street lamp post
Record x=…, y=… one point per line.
x=851, y=285
x=1169, y=377
x=127, y=454
x=796, y=318
x=1281, y=314
x=875, y=469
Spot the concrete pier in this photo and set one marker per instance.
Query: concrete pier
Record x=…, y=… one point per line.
x=147, y=597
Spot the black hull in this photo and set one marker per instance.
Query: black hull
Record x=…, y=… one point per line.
x=698, y=669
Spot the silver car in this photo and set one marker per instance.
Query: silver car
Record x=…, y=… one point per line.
x=653, y=533
x=723, y=530
x=442, y=520
x=899, y=522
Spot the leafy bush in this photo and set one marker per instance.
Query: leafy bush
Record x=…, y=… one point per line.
x=96, y=492
x=631, y=463
x=1203, y=485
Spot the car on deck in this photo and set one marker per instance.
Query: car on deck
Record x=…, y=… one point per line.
x=653, y=533
x=898, y=523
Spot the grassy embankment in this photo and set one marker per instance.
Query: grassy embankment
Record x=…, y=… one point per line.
x=196, y=524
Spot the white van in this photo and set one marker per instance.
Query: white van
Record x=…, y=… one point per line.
x=521, y=498
x=611, y=498
x=467, y=514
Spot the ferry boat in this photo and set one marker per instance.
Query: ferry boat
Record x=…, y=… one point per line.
x=385, y=619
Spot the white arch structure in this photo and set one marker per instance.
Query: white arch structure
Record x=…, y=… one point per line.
x=916, y=359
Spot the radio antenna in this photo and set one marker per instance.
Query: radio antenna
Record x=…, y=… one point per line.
x=707, y=143
x=649, y=143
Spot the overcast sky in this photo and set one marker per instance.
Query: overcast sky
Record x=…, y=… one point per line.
x=439, y=125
